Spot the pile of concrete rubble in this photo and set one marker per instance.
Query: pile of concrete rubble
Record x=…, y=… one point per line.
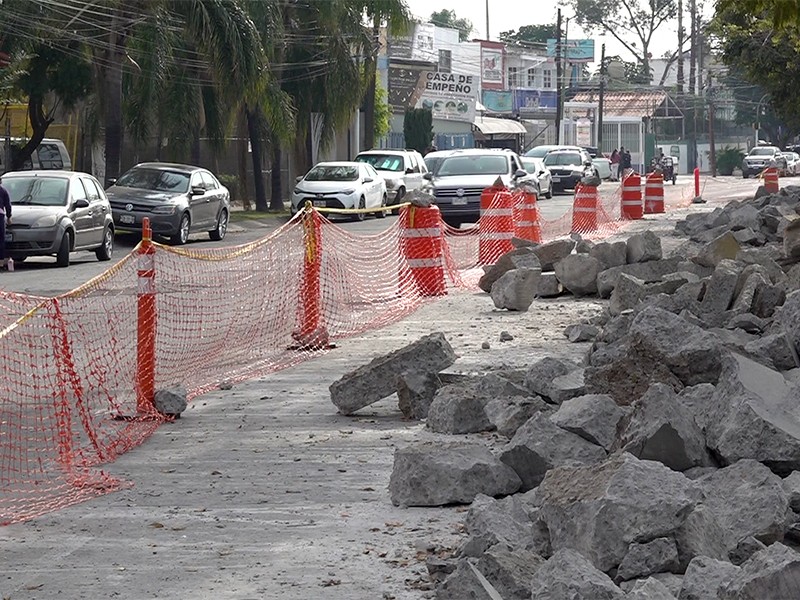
x=666, y=465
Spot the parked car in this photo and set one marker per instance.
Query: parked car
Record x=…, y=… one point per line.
x=56, y=213
x=341, y=185
x=603, y=167
x=761, y=157
x=538, y=168
x=178, y=199
x=435, y=158
x=459, y=180
x=402, y=170
x=541, y=151
x=50, y=154
x=792, y=163
x=568, y=167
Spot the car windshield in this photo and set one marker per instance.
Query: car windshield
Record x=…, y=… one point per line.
x=159, y=180
x=538, y=151
x=762, y=152
x=478, y=164
x=332, y=173
x=433, y=162
x=40, y=191
x=531, y=165
x=383, y=162
x=563, y=158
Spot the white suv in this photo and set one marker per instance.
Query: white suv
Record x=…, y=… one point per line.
x=403, y=170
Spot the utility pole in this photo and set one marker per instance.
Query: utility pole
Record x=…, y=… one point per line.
x=601, y=100
x=558, y=77
x=487, y=19
x=713, y=152
x=681, y=36
x=693, y=45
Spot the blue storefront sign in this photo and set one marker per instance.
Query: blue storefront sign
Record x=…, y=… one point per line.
x=534, y=100
x=498, y=101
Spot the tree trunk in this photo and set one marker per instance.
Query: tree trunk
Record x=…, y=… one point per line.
x=113, y=101
x=276, y=196
x=241, y=162
x=39, y=125
x=254, y=132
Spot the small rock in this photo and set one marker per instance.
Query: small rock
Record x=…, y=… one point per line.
x=171, y=401
x=505, y=336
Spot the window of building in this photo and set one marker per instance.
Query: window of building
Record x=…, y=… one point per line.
x=445, y=61
x=513, y=77
x=531, y=77
x=547, y=79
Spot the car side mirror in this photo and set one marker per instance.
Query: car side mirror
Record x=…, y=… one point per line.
x=80, y=203
x=542, y=172
x=520, y=173
x=298, y=179
x=110, y=182
x=368, y=180
x=587, y=163
x=198, y=190
x=409, y=171
x=428, y=176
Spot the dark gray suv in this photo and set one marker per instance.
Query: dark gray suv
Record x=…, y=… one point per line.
x=462, y=176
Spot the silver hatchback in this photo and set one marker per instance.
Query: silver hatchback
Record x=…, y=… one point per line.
x=56, y=213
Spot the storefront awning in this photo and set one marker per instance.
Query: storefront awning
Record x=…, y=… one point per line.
x=494, y=126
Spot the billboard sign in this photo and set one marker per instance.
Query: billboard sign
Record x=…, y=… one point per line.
x=492, y=66
x=534, y=101
x=498, y=101
x=448, y=96
x=577, y=51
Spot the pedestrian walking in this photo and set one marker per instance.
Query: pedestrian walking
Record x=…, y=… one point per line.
x=5, y=218
x=625, y=162
x=615, y=165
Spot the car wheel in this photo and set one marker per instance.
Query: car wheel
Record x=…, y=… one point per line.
x=745, y=175
x=62, y=257
x=182, y=235
x=105, y=251
x=218, y=233
x=549, y=193
x=362, y=203
x=382, y=213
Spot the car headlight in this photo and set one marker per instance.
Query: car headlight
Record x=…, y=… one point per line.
x=46, y=221
x=164, y=209
x=297, y=190
x=348, y=191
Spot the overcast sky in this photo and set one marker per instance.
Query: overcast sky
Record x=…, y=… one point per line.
x=511, y=14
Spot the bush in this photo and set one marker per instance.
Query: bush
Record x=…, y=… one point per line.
x=418, y=129
x=232, y=183
x=729, y=159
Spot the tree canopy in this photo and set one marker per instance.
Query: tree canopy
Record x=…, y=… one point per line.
x=448, y=18
x=529, y=34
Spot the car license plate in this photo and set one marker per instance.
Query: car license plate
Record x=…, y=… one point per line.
x=555, y=179
x=460, y=200
x=9, y=238
x=127, y=219
x=320, y=203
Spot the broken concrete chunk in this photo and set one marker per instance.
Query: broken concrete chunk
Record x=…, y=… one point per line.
x=578, y=274
x=619, y=501
x=550, y=286
x=700, y=534
x=435, y=474
x=540, y=375
x=790, y=322
x=171, y=401
x=509, y=413
x=745, y=549
x=705, y=578
x=766, y=299
x=649, y=589
x=791, y=238
x=610, y=254
x=594, y=417
x=569, y=385
x=491, y=521
x=567, y=574
x=723, y=247
x=552, y=252
x=771, y=573
x=792, y=486
x=458, y=409
x=581, y=332
x=415, y=392
x=516, y=289
x=656, y=556
x=521, y=258
x=721, y=287
x=510, y=571
x=652, y=270
x=643, y=247
x=773, y=351
x=540, y=445
x=376, y=380
x=628, y=292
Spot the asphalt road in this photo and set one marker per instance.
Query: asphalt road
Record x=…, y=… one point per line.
x=40, y=276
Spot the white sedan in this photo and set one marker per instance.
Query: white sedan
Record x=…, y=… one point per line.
x=341, y=185
x=792, y=163
x=536, y=166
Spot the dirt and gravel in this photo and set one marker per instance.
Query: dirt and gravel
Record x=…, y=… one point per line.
x=264, y=491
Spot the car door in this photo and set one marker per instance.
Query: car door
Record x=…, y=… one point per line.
x=198, y=206
x=374, y=188
x=213, y=195
x=98, y=208
x=414, y=178
x=81, y=216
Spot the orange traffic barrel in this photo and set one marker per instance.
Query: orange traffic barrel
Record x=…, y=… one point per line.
x=422, y=248
x=654, y=193
x=526, y=215
x=584, y=209
x=496, y=224
x=771, y=180
x=632, y=196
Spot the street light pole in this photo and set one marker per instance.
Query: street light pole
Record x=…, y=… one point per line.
x=758, y=118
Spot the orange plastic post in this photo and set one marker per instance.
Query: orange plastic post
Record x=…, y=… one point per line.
x=771, y=181
x=422, y=248
x=526, y=216
x=147, y=322
x=311, y=333
x=654, y=193
x=496, y=224
x=584, y=209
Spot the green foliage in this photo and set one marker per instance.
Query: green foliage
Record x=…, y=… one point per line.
x=418, y=128
x=383, y=112
x=534, y=34
x=729, y=159
x=232, y=183
x=448, y=18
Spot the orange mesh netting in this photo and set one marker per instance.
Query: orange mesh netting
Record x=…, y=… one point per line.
x=80, y=370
